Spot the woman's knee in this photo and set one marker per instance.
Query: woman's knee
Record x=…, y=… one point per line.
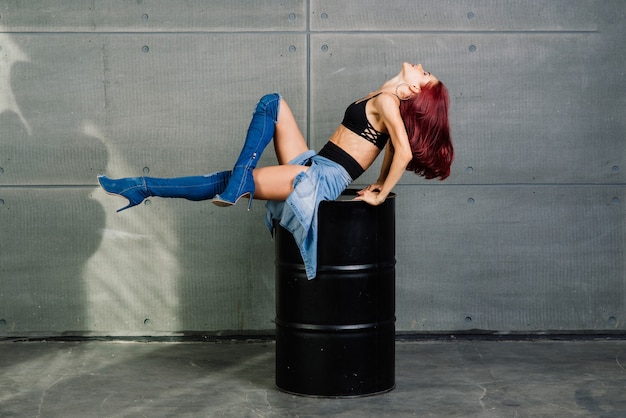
x=269, y=105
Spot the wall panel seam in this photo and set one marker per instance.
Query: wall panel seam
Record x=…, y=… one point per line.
x=455, y=32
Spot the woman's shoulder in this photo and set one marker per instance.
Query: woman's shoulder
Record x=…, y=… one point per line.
x=386, y=99
x=386, y=103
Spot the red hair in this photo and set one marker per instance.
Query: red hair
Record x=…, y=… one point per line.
x=426, y=121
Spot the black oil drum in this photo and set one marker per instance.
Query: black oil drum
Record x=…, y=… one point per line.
x=335, y=334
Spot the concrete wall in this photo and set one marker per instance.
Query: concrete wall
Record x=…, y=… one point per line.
x=527, y=235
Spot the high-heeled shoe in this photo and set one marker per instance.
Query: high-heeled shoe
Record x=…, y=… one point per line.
x=241, y=185
x=133, y=188
x=195, y=188
x=260, y=133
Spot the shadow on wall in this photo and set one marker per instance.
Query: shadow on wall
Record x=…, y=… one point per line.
x=47, y=221
x=154, y=272
x=10, y=54
x=71, y=265
x=131, y=279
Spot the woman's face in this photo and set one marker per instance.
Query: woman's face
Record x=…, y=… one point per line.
x=416, y=76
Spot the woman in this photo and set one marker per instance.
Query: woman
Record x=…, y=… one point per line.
x=407, y=117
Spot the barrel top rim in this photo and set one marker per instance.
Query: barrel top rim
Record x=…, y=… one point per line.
x=348, y=196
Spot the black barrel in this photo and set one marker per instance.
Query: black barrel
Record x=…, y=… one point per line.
x=335, y=334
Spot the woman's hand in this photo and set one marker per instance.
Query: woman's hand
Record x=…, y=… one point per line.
x=372, y=188
x=371, y=195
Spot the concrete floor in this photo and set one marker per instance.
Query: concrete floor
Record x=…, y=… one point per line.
x=451, y=378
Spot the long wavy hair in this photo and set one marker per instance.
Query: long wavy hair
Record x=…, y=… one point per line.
x=426, y=121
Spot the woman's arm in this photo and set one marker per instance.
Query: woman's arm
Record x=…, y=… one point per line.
x=395, y=162
x=384, y=170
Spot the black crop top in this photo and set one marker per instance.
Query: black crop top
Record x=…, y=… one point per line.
x=355, y=119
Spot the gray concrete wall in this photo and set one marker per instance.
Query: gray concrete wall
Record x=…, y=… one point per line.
x=527, y=234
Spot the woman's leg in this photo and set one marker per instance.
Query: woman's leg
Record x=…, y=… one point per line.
x=288, y=143
x=275, y=182
x=272, y=119
x=288, y=139
x=136, y=189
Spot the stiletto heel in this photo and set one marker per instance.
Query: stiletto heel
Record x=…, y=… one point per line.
x=241, y=184
x=218, y=201
x=260, y=133
x=133, y=189
x=224, y=203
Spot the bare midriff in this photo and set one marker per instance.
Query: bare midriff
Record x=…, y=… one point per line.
x=362, y=151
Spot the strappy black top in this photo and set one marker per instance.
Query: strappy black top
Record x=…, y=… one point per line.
x=355, y=119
